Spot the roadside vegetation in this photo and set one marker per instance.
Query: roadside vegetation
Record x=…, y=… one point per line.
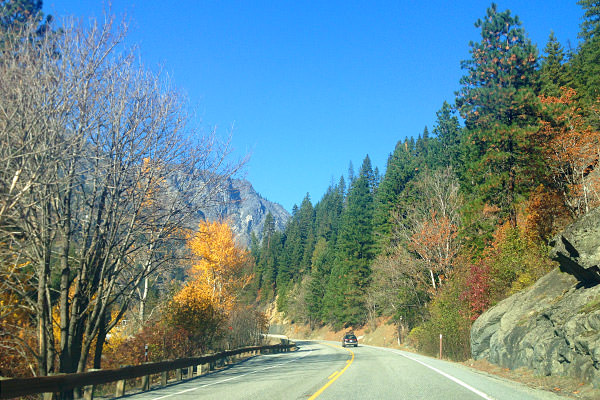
x=103, y=179
x=102, y=182
x=462, y=215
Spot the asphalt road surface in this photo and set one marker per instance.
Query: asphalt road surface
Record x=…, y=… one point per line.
x=325, y=370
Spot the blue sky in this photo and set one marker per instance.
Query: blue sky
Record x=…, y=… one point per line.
x=307, y=87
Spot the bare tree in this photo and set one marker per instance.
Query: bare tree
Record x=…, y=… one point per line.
x=397, y=287
x=430, y=225
x=102, y=177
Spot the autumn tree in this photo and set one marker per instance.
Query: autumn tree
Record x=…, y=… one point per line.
x=101, y=174
x=208, y=300
x=218, y=263
x=512, y=262
x=195, y=311
x=573, y=148
x=430, y=226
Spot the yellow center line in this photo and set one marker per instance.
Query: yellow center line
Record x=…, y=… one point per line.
x=333, y=376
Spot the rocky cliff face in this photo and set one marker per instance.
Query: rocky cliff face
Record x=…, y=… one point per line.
x=552, y=327
x=245, y=209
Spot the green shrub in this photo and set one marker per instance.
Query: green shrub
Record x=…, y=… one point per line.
x=448, y=318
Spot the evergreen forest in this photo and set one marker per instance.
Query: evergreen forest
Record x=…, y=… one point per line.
x=462, y=215
x=103, y=252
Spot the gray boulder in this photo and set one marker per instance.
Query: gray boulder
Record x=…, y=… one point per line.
x=553, y=327
x=577, y=248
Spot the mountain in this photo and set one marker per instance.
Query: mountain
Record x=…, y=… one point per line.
x=245, y=210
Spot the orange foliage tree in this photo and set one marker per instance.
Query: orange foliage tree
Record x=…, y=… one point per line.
x=572, y=149
x=545, y=213
x=511, y=262
x=434, y=242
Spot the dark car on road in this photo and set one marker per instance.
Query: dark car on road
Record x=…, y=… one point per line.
x=349, y=340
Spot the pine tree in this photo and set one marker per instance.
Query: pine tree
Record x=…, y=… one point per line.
x=328, y=212
x=448, y=131
x=401, y=168
x=16, y=14
x=590, y=27
x=268, y=257
x=351, y=176
x=553, y=74
x=306, y=222
x=292, y=252
x=422, y=146
x=585, y=65
x=321, y=269
x=355, y=249
x=498, y=103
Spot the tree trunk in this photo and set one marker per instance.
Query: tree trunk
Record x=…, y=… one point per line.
x=100, y=340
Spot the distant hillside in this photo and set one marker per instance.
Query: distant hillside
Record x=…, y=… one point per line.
x=245, y=209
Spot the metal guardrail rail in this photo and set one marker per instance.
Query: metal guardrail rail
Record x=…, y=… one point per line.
x=16, y=387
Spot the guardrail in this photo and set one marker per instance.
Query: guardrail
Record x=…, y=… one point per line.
x=51, y=385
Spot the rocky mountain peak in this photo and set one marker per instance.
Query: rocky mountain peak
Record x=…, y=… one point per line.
x=245, y=210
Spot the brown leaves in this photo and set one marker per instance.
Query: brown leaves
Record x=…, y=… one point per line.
x=572, y=150
x=432, y=242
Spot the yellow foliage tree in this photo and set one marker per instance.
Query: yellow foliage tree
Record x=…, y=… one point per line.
x=17, y=332
x=194, y=310
x=218, y=263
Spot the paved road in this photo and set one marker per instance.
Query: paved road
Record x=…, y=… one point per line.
x=326, y=371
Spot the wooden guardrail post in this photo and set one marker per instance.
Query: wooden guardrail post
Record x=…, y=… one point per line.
x=82, y=384
x=88, y=391
x=120, y=389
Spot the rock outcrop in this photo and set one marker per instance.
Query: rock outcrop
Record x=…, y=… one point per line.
x=553, y=327
x=577, y=248
x=245, y=209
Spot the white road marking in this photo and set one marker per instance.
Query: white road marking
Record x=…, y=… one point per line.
x=232, y=378
x=453, y=379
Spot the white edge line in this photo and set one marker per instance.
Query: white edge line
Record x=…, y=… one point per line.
x=453, y=379
x=229, y=379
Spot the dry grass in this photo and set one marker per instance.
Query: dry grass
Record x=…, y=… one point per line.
x=565, y=386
